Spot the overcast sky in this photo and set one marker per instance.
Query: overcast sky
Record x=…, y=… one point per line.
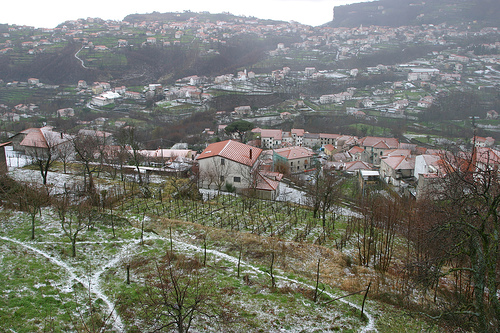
x=50, y=13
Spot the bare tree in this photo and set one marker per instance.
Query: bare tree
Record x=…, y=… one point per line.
x=71, y=217
x=252, y=178
x=469, y=205
x=389, y=214
x=116, y=157
x=65, y=152
x=325, y=193
x=215, y=173
x=365, y=232
x=128, y=139
x=87, y=152
x=177, y=293
x=44, y=151
x=32, y=199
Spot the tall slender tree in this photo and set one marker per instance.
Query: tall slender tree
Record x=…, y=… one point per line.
x=468, y=201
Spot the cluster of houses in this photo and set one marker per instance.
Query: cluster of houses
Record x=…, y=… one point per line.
x=406, y=167
x=232, y=165
x=42, y=143
x=279, y=152
x=348, y=41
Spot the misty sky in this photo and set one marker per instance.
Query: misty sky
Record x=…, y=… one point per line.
x=49, y=13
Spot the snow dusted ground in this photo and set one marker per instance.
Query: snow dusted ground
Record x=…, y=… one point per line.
x=291, y=194
x=93, y=281
x=16, y=161
x=55, y=180
x=185, y=247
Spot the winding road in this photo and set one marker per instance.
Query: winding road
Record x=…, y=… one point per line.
x=79, y=59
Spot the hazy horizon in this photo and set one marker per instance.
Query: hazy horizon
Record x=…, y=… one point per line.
x=50, y=13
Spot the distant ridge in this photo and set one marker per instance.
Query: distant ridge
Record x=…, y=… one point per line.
x=396, y=13
x=186, y=15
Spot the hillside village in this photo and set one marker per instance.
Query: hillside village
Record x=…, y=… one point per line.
x=422, y=82
x=412, y=88
x=264, y=162
x=337, y=142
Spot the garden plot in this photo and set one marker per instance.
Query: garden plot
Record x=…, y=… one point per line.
x=60, y=287
x=98, y=273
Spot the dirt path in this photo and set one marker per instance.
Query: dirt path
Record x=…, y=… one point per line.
x=91, y=283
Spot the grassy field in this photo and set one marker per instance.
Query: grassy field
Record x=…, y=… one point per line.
x=47, y=289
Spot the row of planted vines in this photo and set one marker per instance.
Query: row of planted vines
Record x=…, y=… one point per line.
x=383, y=232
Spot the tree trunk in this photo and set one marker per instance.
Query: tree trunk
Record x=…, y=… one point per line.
x=73, y=247
x=479, y=285
x=317, y=283
x=33, y=226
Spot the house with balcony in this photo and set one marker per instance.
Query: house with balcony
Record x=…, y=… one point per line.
x=374, y=148
x=397, y=169
x=271, y=138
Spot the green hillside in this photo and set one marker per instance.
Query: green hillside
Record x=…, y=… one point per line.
x=410, y=12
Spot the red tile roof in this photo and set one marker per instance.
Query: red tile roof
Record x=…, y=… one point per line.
x=297, y=131
x=357, y=165
x=232, y=150
x=34, y=139
x=329, y=147
x=329, y=136
x=372, y=141
x=381, y=145
x=397, y=152
x=266, y=184
x=291, y=153
x=42, y=137
x=271, y=133
x=400, y=162
x=272, y=175
x=356, y=149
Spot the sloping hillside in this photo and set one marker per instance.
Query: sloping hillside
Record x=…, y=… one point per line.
x=414, y=12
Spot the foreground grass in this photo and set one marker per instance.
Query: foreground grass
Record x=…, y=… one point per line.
x=66, y=298
x=41, y=296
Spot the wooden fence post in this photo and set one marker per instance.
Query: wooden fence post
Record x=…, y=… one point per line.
x=364, y=299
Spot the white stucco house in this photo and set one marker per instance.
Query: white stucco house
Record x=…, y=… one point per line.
x=234, y=164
